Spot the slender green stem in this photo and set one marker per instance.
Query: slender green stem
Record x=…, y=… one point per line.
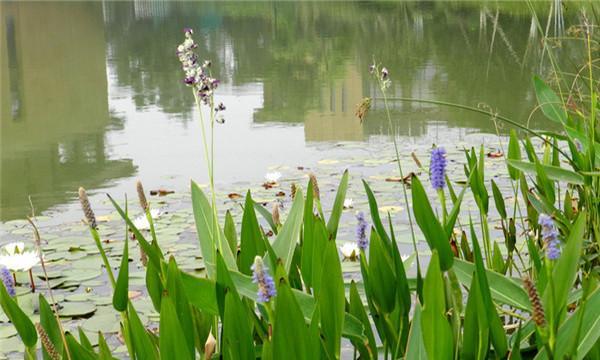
x=484, y=112
x=392, y=130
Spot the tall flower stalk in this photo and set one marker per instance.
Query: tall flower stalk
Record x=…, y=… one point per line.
x=199, y=78
x=382, y=77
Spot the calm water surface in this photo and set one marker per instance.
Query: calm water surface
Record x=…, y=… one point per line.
x=91, y=93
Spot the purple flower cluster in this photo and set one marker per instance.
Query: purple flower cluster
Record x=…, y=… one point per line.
x=361, y=231
x=437, y=168
x=550, y=237
x=196, y=75
x=266, y=285
x=7, y=280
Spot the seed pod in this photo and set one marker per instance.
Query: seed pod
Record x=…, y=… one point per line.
x=46, y=343
x=315, y=185
x=87, y=209
x=141, y=195
x=275, y=214
x=293, y=191
x=538, y=310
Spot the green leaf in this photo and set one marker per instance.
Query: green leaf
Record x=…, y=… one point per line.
x=497, y=333
x=374, y=209
x=416, y=348
x=121, y=292
x=588, y=331
x=19, y=319
x=237, y=333
x=172, y=337
x=338, y=206
x=143, y=345
x=553, y=172
x=476, y=331
x=154, y=285
x=77, y=351
x=549, y=102
x=381, y=274
x=566, y=268
x=499, y=200
x=285, y=243
x=514, y=153
x=230, y=232
x=251, y=239
x=200, y=292
x=103, y=350
x=357, y=309
x=289, y=320
x=50, y=325
x=205, y=225
x=430, y=225
x=331, y=300
x=306, y=260
x=437, y=333
x=453, y=216
x=177, y=293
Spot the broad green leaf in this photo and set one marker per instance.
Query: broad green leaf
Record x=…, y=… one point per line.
x=499, y=200
x=121, y=291
x=549, y=102
x=565, y=270
x=209, y=231
x=19, y=319
x=374, y=209
x=514, y=153
x=338, y=206
x=285, y=243
x=177, y=294
x=476, y=331
x=200, y=292
x=172, y=337
x=497, y=333
x=77, y=351
x=103, y=349
x=415, y=349
x=230, y=232
x=237, y=333
x=453, y=216
x=357, y=309
x=430, y=225
x=143, y=345
x=589, y=332
x=331, y=300
x=437, y=333
x=289, y=320
x=306, y=261
x=553, y=172
x=251, y=239
x=381, y=274
x=154, y=285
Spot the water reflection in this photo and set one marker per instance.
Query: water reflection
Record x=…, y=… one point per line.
x=54, y=104
x=285, y=64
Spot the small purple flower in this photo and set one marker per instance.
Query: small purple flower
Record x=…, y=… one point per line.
x=7, y=280
x=188, y=30
x=437, y=168
x=361, y=231
x=550, y=237
x=220, y=107
x=266, y=285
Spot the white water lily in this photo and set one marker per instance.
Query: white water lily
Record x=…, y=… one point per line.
x=141, y=222
x=273, y=177
x=350, y=251
x=348, y=204
x=15, y=257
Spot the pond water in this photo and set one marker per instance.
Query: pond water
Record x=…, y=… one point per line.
x=92, y=93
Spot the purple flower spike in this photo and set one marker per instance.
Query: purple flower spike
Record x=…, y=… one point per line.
x=361, y=231
x=7, y=280
x=550, y=237
x=437, y=168
x=266, y=285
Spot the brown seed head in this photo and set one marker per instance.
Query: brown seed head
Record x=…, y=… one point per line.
x=141, y=195
x=46, y=343
x=363, y=108
x=536, y=304
x=293, y=191
x=87, y=209
x=315, y=185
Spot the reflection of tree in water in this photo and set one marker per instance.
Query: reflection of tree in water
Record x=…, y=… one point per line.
x=297, y=50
